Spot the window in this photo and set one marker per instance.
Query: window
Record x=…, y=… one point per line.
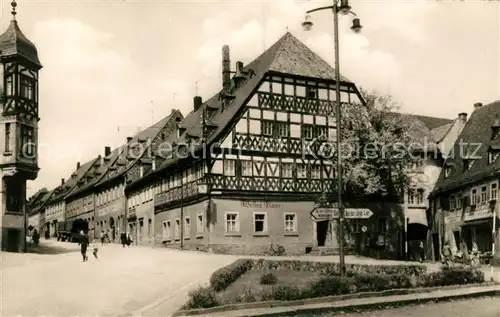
x=259, y=222
x=177, y=229
x=320, y=132
x=7, y=137
x=150, y=228
x=458, y=203
x=492, y=156
x=420, y=196
x=468, y=164
x=312, y=92
x=315, y=171
x=474, y=197
x=493, y=191
x=290, y=223
x=229, y=167
x=9, y=86
x=275, y=128
x=356, y=225
x=301, y=171
x=267, y=127
x=199, y=224
x=453, y=203
x=27, y=141
x=411, y=196
x=382, y=225
x=27, y=88
x=282, y=129
x=246, y=168
x=447, y=172
x=187, y=227
x=232, y=223
x=484, y=194
x=307, y=132
x=167, y=230
x=287, y=170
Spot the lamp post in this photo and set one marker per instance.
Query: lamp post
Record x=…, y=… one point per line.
x=342, y=7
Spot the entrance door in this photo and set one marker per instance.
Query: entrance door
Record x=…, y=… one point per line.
x=435, y=244
x=321, y=232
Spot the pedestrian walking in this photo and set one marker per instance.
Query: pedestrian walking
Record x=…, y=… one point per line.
x=102, y=237
x=94, y=250
x=84, y=242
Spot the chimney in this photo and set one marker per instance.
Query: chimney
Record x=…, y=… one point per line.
x=478, y=105
x=129, y=139
x=226, y=66
x=62, y=181
x=462, y=117
x=77, y=165
x=238, y=77
x=107, y=151
x=197, y=102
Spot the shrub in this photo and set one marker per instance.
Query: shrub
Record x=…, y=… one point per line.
x=268, y=278
x=331, y=286
x=202, y=297
x=246, y=295
x=224, y=276
x=455, y=275
x=334, y=268
x=286, y=292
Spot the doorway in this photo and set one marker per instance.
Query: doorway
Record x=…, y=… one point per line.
x=435, y=244
x=321, y=232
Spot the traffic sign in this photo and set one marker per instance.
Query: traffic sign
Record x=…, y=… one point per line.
x=321, y=214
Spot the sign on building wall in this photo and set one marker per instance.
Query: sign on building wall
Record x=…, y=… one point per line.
x=321, y=214
x=259, y=204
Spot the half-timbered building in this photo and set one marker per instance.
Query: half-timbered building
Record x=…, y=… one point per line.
x=259, y=178
x=464, y=208
x=99, y=195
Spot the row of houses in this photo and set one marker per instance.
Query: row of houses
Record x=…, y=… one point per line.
x=239, y=181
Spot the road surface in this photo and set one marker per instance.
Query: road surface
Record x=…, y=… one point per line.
x=122, y=281
x=481, y=307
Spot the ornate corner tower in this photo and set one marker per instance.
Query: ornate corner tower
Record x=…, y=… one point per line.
x=19, y=66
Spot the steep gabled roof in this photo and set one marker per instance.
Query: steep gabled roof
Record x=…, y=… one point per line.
x=61, y=191
x=287, y=56
x=473, y=143
x=96, y=172
x=432, y=128
x=123, y=164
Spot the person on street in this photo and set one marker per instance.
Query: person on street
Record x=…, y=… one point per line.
x=84, y=242
x=94, y=249
x=123, y=239
x=447, y=256
x=36, y=237
x=102, y=237
x=421, y=250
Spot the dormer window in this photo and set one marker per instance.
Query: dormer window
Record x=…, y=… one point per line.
x=495, y=129
x=447, y=171
x=468, y=164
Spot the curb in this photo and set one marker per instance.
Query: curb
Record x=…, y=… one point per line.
x=375, y=305
x=327, y=300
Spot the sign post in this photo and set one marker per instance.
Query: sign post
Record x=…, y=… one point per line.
x=322, y=214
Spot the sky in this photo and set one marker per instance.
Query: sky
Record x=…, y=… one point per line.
x=114, y=67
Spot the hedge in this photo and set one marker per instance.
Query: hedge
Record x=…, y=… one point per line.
x=225, y=276
x=334, y=268
x=331, y=285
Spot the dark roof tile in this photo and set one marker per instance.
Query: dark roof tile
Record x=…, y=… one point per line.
x=476, y=135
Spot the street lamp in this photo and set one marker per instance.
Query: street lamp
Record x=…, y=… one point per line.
x=342, y=7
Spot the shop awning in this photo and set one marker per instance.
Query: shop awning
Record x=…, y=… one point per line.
x=477, y=222
x=417, y=216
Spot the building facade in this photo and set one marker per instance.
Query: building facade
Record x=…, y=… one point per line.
x=464, y=202
x=19, y=131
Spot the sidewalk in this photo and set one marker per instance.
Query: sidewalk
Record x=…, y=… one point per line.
x=359, y=302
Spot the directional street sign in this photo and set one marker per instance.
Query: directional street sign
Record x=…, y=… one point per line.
x=321, y=214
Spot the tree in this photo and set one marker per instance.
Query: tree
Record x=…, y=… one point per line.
x=379, y=146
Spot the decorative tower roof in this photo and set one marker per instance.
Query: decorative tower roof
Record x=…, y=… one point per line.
x=14, y=43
